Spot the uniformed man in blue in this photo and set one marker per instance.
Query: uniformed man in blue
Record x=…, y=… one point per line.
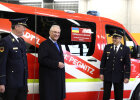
x=115, y=67
x=13, y=63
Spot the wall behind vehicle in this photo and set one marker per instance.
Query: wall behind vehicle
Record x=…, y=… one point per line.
x=135, y=19
x=113, y=9
x=127, y=12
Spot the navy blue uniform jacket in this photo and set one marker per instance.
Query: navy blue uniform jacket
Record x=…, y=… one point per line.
x=51, y=77
x=115, y=67
x=13, y=63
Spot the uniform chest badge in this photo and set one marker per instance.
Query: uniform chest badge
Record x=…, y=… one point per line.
x=15, y=48
x=108, y=53
x=1, y=49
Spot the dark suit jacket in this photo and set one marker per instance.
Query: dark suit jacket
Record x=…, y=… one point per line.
x=51, y=78
x=115, y=67
x=13, y=63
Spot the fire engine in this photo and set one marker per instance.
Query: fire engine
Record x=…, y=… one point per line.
x=83, y=38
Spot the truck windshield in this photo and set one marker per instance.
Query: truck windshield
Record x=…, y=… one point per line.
x=77, y=37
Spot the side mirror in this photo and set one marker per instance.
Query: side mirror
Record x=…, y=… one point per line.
x=138, y=51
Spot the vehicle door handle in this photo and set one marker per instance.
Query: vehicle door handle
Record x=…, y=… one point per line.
x=92, y=60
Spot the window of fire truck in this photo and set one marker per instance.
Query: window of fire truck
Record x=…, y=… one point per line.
x=129, y=42
x=72, y=36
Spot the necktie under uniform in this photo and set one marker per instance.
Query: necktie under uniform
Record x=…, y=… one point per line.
x=57, y=46
x=115, y=49
x=19, y=40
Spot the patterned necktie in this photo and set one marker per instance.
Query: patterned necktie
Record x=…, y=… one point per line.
x=57, y=46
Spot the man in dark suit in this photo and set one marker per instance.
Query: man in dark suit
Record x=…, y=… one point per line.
x=13, y=63
x=51, y=67
x=115, y=67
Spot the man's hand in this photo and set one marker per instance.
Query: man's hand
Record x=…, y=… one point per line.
x=61, y=65
x=102, y=77
x=126, y=80
x=2, y=88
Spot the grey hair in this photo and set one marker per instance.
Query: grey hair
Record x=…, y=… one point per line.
x=54, y=26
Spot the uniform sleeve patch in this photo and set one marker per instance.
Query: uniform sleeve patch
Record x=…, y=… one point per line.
x=1, y=49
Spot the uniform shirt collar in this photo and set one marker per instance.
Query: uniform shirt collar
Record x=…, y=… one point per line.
x=118, y=46
x=16, y=37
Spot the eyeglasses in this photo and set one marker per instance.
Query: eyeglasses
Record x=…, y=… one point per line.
x=56, y=32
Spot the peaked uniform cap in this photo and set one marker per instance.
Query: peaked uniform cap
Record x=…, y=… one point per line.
x=117, y=33
x=19, y=21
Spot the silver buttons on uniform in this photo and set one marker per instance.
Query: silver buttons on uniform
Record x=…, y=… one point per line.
x=113, y=68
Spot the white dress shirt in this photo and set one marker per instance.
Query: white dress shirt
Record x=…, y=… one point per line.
x=52, y=40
